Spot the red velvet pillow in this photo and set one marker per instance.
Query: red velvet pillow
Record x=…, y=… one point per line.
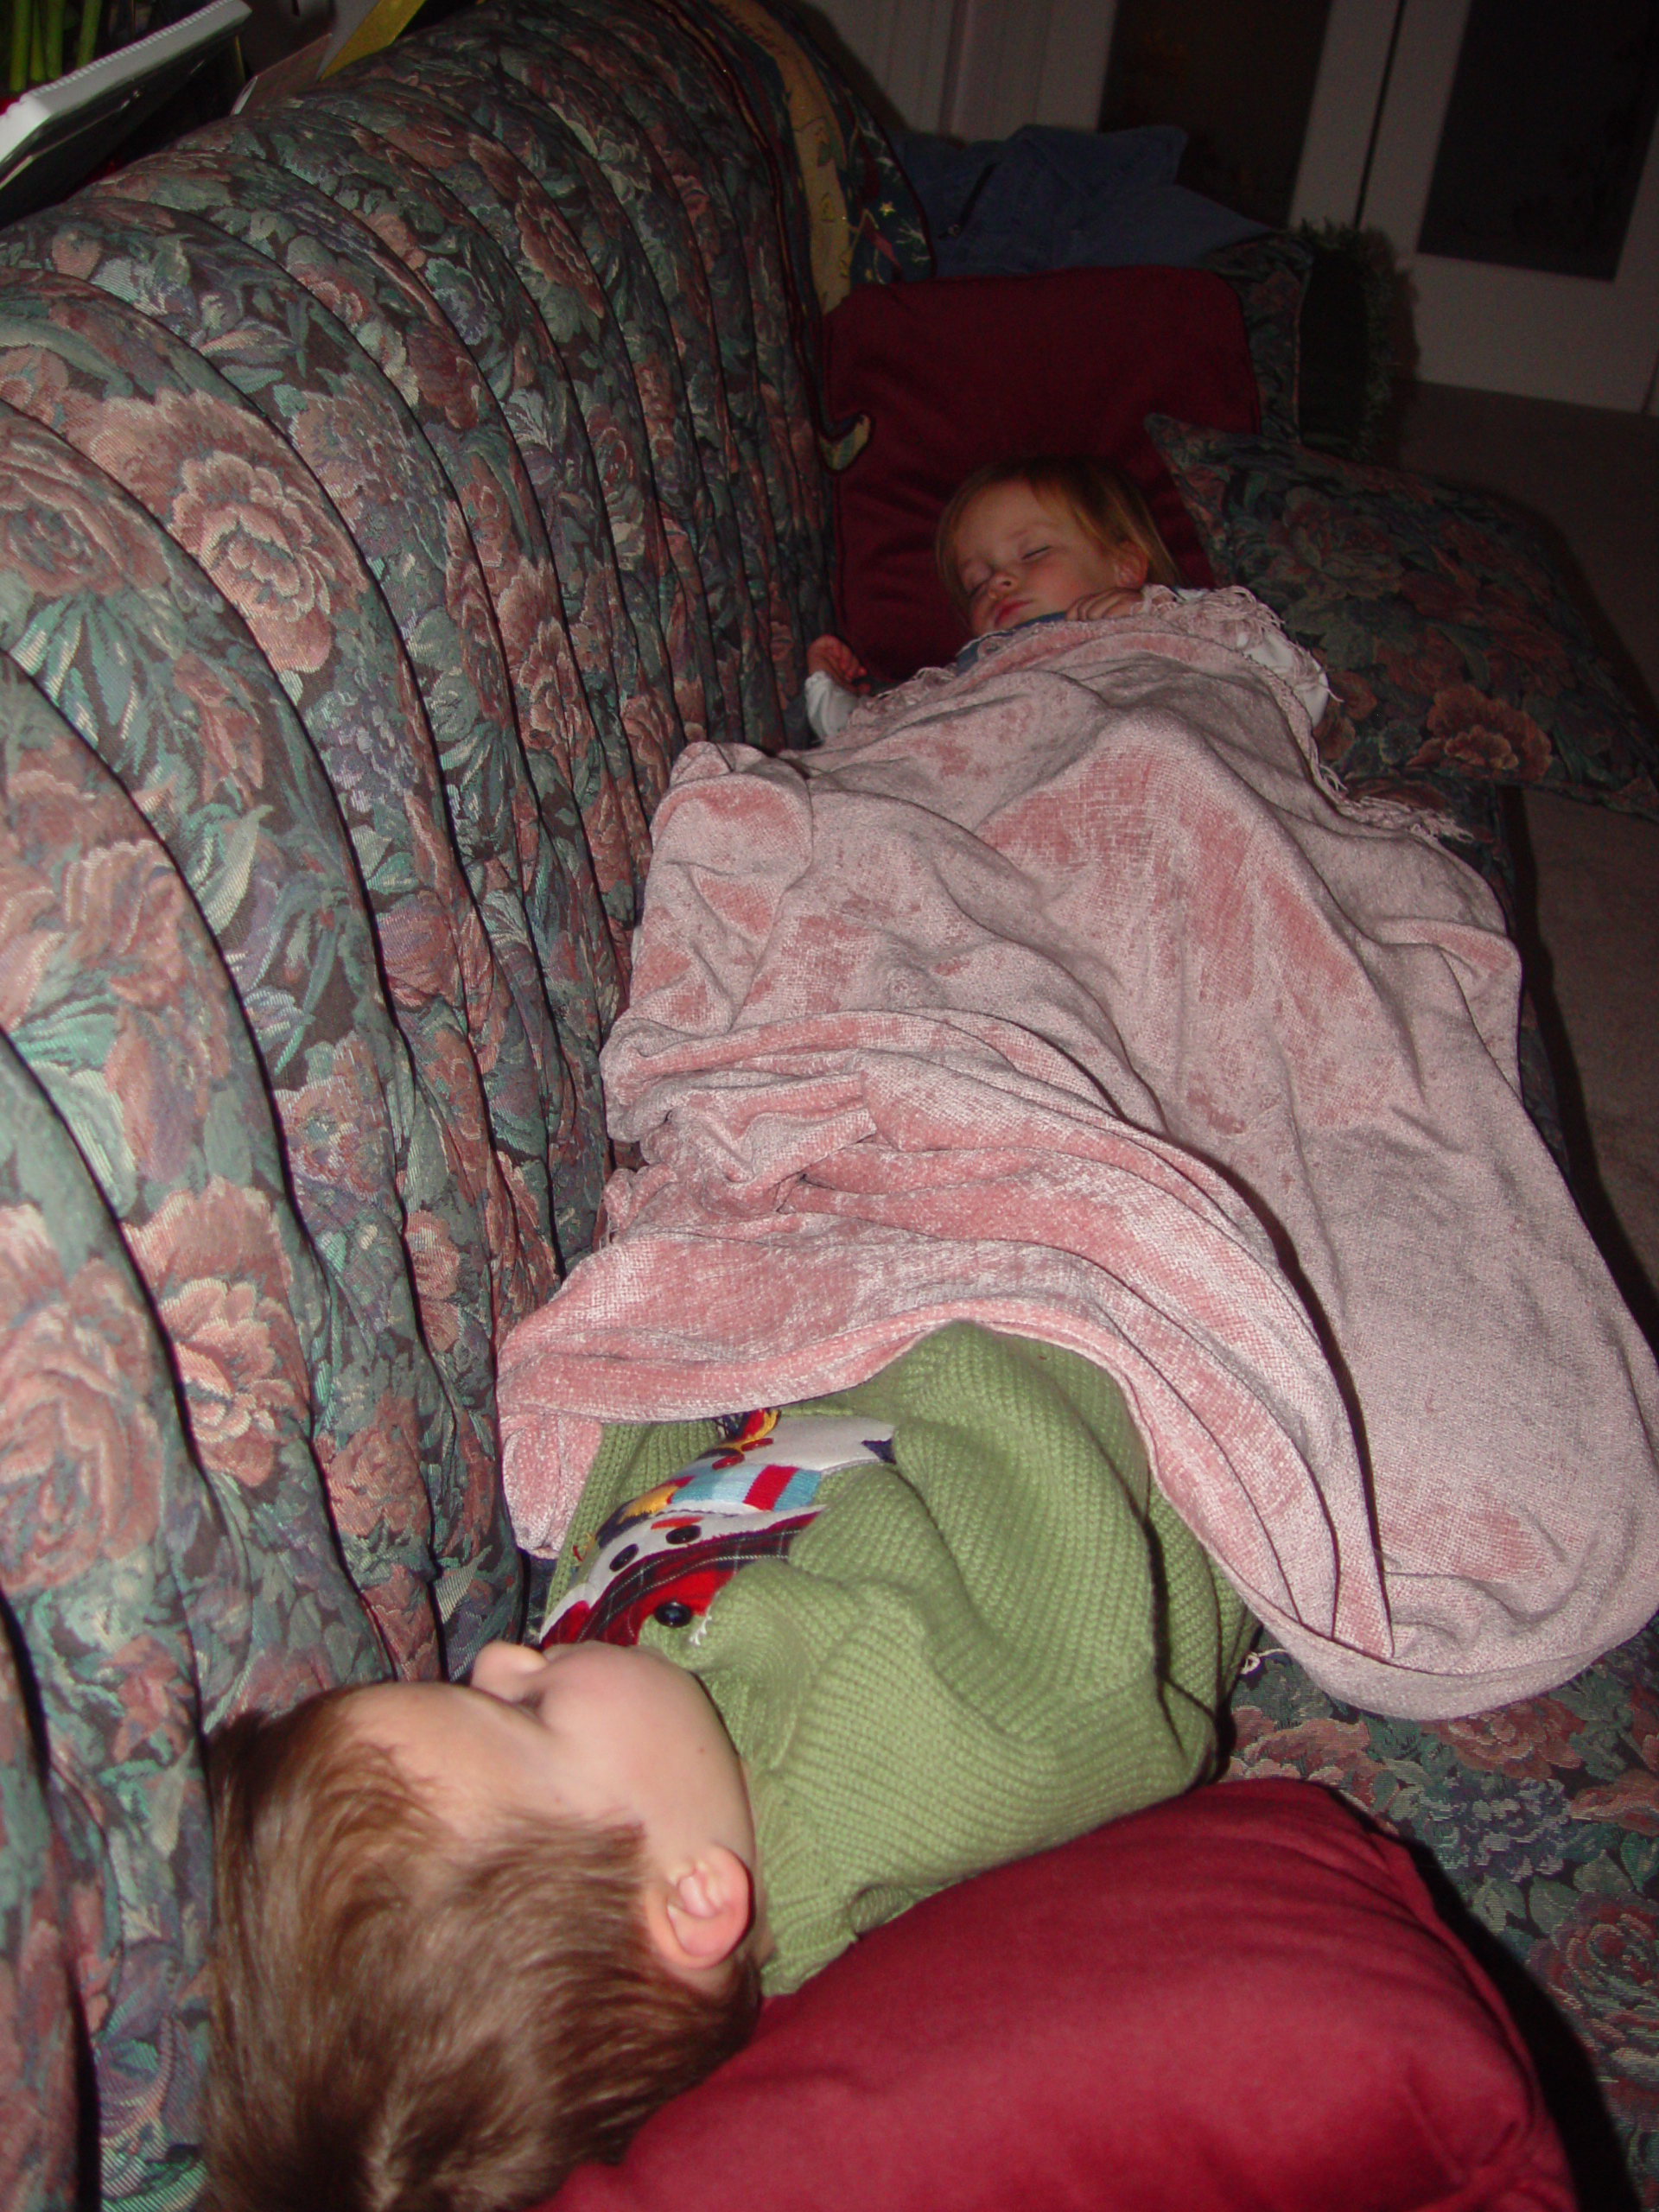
x=1241, y=2001
x=972, y=369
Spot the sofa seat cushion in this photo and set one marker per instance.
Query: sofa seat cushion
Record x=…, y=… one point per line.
x=1239, y=2001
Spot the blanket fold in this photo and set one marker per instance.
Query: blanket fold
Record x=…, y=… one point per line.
x=1058, y=995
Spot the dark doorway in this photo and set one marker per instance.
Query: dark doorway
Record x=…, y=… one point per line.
x=1236, y=75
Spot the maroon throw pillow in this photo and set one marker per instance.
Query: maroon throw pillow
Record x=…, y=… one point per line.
x=1240, y=2001
x=967, y=370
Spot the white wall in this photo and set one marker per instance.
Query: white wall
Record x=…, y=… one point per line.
x=980, y=68
x=904, y=45
x=1385, y=81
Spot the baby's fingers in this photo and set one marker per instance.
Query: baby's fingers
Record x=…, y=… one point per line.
x=1100, y=606
x=831, y=656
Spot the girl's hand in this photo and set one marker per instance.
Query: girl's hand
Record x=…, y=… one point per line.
x=831, y=657
x=1102, y=605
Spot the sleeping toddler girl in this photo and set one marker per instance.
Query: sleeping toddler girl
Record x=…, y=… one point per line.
x=1033, y=540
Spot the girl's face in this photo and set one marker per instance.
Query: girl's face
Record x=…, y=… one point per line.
x=1017, y=558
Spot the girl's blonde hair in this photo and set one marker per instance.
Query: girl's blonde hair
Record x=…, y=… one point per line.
x=1095, y=494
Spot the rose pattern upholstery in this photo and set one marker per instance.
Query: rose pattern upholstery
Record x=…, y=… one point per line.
x=1544, y=1818
x=391, y=482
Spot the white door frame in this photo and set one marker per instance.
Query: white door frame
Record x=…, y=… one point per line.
x=1494, y=329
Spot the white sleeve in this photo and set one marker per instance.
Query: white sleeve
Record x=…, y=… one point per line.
x=1300, y=669
x=827, y=705
x=1266, y=645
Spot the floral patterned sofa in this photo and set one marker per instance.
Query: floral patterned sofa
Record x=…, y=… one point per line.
x=393, y=481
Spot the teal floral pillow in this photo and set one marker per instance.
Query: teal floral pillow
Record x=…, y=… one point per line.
x=1453, y=649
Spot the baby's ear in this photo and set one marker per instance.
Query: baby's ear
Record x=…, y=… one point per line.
x=1129, y=565
x=702, y=1911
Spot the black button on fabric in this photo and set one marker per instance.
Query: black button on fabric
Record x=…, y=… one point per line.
x=687, y=1535
x=673, y=1612
x=627, y=1552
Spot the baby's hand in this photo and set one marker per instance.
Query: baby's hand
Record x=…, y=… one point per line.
x=831, y=657
x=1102, y=605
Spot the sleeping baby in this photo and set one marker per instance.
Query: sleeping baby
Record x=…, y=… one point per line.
x=1043, y=539
x=468, y=1937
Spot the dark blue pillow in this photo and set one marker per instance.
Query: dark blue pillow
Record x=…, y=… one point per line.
x=1052, y=198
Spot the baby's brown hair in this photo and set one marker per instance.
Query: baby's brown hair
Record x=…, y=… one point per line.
x=403, y=2023
x=1097, y=496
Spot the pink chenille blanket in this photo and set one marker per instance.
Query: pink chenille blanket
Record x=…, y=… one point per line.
x=1058, y=994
